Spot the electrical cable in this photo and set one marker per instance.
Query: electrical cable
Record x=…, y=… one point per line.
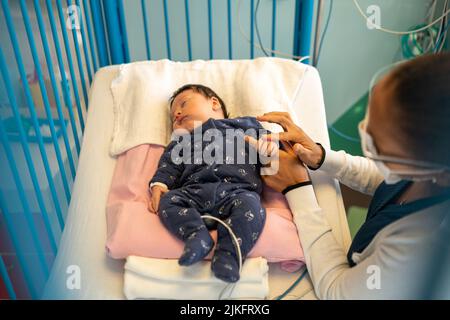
x=231, y=286
x=423, y=42
x=300, y=278
x=442, y=31
x=380, y=28
x=327, y=23
x=418, y=43
x=441, y=38
x=431, y=11
x=279, y=53
x=266, y=50
x=258, y=35
x=238, y=252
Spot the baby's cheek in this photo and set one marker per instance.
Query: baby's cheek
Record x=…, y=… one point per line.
x=190, y=124
x=182, y=127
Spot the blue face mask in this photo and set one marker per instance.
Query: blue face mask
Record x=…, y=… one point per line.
x=423, y=171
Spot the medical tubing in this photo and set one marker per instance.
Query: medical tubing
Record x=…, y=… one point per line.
x=233, y=237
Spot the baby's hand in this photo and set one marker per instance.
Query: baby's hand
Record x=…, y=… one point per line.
x=157, y=192
x=264, y=147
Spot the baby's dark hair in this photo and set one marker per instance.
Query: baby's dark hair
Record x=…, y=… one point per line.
x=204, y=91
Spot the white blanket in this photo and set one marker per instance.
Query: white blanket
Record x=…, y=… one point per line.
x=165, y=279
x=248, y=87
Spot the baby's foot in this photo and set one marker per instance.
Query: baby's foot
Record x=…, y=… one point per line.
x=225, y=266
x=197, y=246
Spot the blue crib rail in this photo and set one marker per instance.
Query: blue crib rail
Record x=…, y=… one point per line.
x=49, y=53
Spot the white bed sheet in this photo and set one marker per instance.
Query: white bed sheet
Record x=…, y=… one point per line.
x=81, y=250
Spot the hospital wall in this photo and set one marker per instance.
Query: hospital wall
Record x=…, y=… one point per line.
x=352, y=53
x=350, y=56
x=240, y=9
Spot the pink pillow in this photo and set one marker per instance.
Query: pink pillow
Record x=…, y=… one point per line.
x=133, y=230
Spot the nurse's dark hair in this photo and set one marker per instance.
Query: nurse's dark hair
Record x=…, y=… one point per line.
x=204, y=91
x=421, y=108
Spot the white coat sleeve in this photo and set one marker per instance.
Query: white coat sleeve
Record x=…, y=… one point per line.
x=326, y=260
x=356, y=172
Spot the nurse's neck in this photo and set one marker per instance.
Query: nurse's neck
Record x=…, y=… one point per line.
x=422, y=190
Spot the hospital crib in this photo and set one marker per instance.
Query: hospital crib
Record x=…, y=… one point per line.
x=50, y=52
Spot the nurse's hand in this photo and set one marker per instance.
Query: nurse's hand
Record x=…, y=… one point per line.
x=304, y=147
x=290, y=170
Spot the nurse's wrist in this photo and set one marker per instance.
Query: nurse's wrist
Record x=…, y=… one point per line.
x=296, y=186
x=319, y=157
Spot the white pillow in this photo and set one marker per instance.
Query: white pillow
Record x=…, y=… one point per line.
x=248, y=87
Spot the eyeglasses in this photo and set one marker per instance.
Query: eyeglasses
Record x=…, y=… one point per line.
x=371, y=152
x=367, y=143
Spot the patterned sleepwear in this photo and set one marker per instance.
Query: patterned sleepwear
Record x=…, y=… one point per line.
x=226, y=188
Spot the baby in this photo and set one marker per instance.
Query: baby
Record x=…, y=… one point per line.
x=183, y=191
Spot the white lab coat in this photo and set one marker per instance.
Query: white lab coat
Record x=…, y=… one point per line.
x=393, y=265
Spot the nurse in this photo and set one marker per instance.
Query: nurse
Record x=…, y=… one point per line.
x=406, y=142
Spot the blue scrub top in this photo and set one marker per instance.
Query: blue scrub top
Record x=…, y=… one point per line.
x=384, y=210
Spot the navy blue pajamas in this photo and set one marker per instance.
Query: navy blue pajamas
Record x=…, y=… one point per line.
x=227, y=191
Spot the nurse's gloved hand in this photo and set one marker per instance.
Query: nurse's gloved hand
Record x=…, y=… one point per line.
x=157, y=192
x=306, y=149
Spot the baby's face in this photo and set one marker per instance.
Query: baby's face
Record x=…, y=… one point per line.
x=190, y=109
